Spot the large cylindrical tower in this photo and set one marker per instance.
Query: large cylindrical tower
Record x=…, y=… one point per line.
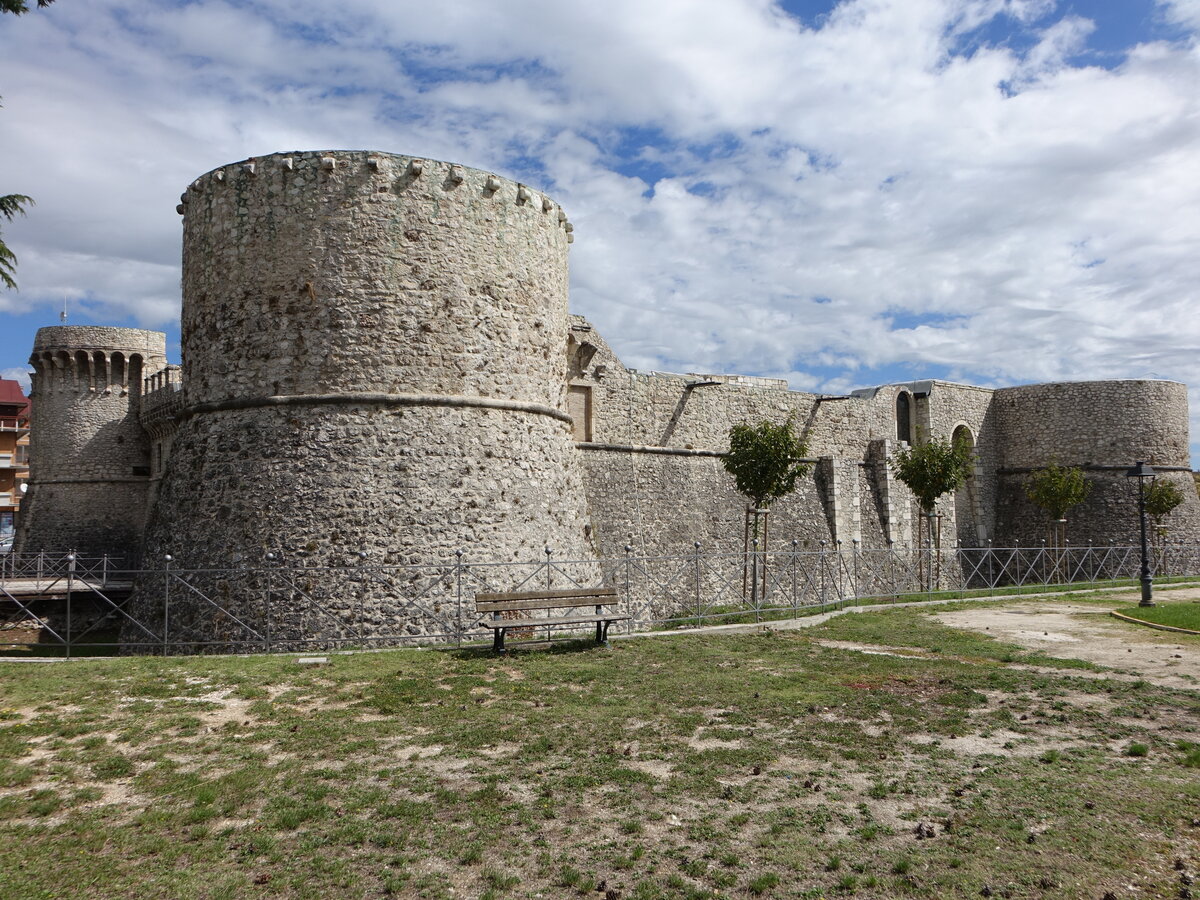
x=374, y=363
x=1102, y=427
x=89, y=458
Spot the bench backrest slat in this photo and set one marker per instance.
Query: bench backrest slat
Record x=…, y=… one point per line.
x=548, y=595
x=519, y=605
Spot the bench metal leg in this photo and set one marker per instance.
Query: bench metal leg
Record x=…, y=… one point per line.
x=498, y=640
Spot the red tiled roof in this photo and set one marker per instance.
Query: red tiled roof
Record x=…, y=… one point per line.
x=11, y=395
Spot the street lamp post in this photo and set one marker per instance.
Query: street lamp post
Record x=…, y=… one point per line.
x=1142, y=472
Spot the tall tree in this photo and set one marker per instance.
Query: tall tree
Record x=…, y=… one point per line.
x=11, y=204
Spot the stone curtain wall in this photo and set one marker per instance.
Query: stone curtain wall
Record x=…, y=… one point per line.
x=654, y=476
x=374, y=363
x=89, y=456
x=1103, y=427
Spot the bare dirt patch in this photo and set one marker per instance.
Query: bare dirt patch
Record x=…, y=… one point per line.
x=1086, y=632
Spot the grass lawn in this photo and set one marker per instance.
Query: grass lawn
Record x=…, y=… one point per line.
x=1180, y=615
x=762, y=765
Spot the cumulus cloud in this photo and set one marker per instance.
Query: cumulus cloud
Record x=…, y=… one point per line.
x=891, y=187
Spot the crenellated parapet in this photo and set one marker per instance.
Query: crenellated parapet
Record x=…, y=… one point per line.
x=89, y=456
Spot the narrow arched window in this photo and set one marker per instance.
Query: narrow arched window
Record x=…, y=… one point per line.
x=904, y=417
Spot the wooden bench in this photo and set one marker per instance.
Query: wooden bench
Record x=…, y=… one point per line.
x=525, y=602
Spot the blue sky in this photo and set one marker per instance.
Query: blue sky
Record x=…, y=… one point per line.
x=840, y=194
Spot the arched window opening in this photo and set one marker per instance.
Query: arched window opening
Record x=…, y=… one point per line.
x=904, y=416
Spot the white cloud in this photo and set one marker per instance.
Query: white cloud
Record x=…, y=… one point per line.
x=1054, y=207
x=19, y=375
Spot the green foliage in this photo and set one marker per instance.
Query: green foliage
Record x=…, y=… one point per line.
x=933, y=468
x=1161, y=498
x=10, y=205
x=766, y=460
x=19, y=7
x=1057, y=488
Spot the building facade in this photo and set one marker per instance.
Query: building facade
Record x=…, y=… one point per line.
x=14, y=454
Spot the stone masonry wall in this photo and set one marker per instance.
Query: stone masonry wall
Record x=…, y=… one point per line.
x=89, y=457
x=1103, y=427
x=652, y=467
x=374, y=364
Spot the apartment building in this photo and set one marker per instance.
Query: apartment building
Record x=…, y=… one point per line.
x=14, y=452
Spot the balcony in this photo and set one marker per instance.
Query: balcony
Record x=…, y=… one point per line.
x=10, y=462
x=19, y=426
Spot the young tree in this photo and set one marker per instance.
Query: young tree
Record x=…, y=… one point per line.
x=1057, y=488
x=930, y=470
x=1161, y=498
x=765, y=460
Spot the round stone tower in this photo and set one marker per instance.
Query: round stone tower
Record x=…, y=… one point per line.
x=1102, y=427
x=89, y=458
x=374, y=366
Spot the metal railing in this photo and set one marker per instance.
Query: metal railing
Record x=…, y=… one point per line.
x=74, y=604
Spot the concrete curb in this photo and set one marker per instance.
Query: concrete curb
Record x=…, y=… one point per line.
x=1125, y=618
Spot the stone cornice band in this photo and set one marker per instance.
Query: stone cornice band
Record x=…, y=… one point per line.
x=355, y=399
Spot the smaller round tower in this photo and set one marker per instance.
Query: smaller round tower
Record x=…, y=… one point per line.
x=89, y=457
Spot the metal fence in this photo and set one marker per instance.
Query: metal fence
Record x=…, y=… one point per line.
x=64, y=604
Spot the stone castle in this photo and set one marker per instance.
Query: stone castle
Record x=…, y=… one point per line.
x=378, y=358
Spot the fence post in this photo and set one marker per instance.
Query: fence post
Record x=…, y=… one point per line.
x=458, y=575
x=166, y=625
x=696, y=573
x=753, y=580
x=40, y=563
x=795, y=544
x=821, y=573
x=104, y=571
x=270, y=585
x=549, y=575
x=991, y=576
x=628, y=584
x=854, y=543
x=70, y=587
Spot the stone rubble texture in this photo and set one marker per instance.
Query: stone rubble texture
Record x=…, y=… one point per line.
x=378, y=360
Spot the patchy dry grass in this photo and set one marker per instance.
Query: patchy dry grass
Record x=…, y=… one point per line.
x=778, y=765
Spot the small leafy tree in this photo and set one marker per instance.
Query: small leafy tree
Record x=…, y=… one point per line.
x=765, y=460
x=1057, y=488
x=931, y=469
x=1161, y=498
